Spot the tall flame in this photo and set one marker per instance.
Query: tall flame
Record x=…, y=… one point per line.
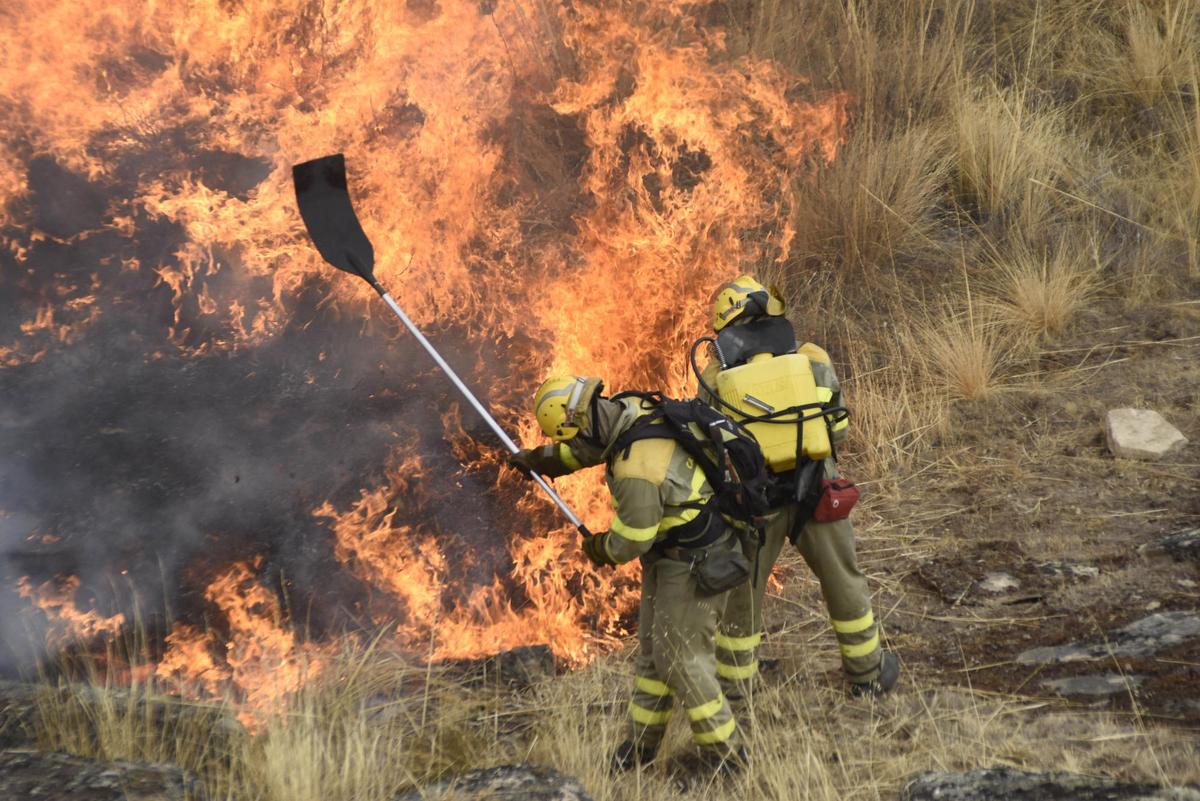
x=564, y=183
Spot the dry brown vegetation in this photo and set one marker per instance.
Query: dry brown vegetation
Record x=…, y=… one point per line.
x=1019, y=193
x=376, y=725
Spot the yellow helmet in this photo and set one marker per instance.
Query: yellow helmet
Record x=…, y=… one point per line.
x=561, y=401
x=744, y=295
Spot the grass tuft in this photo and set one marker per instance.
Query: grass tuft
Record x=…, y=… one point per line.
x=963, y=353
x=1003, y=148
x=872, y=206
x=1039, y=291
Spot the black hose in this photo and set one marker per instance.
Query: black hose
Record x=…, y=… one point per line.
x=770, y=416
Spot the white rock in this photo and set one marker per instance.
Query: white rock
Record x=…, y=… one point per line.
x=998, y=582
x=1141, y=434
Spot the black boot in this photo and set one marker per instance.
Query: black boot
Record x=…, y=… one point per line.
x=630, y=754
x=709, y=766
x=889, y=672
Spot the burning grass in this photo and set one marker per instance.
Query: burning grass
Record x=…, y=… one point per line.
x=943, y=188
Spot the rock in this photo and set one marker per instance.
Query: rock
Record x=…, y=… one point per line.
x=523, y=666
x=19, y=710
x=1182, y=545
x=60, y=777
x=1098, y=686
x=1146, y=636
x=505, y=783
x=998, y=582
x=1006, y=784
x=1141, y=434
x=1069, y=570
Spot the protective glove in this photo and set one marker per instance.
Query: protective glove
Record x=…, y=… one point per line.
x=522, y=460
x=594, y=550
x=543, y=460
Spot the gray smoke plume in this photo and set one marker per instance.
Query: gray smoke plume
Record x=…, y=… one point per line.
x=151, y=470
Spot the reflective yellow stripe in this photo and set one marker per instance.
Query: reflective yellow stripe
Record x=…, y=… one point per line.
x=717, y=735
x=648, y=717
x=861, y=649
x=567, y=457
x=744, y=643
x=706, y=711
x=672, y=521
x=698, y=479
x=631, y=533
x=852, y=626
x=840, y=424
x=737, y=671
x=651, y=686
x=824, y=394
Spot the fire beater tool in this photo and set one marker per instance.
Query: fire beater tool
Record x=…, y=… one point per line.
x=324, y=201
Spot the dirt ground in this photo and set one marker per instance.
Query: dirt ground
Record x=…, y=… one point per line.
x=1023, y=485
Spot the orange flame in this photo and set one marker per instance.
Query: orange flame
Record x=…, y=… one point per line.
x=569, y=181
x=264, y=660
x=68, y=625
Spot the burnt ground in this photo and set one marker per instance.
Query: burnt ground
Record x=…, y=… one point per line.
x=1023, y=485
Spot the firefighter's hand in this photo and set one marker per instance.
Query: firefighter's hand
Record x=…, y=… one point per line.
x=543, y=460
x=523, y=460
x=594, y=550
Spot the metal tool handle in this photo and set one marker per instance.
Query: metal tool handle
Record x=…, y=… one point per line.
x=479, y=407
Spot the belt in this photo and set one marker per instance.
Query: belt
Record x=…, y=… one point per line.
x=685, y=554
x=713, y=531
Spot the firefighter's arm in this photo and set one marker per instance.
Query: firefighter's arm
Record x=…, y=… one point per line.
x=553, y=460
x=637, y=512
x=829, y=389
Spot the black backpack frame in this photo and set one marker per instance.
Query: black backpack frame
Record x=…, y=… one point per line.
x=727, y=452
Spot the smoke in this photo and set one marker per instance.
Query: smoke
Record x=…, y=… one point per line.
x=181, y=387
x=143, y=464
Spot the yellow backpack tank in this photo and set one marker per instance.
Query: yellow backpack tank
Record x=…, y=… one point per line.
x=766, y=384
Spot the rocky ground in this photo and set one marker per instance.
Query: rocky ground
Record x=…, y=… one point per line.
x=1024, y=558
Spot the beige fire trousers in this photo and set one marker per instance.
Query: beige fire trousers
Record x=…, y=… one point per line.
x=676, y=658
x=828, y=548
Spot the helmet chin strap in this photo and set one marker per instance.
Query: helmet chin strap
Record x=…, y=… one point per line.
x=592, y=435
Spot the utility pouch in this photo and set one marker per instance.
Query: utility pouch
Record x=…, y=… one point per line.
x=838, y=496
x=720, y=570
x=807, y=495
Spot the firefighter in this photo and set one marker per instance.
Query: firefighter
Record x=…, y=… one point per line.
x=662, y=516
x=741, y=308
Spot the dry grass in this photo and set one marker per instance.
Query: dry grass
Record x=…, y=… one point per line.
x=370, y=725
x=1131, y=61
x=1178, y=193
x=1002, y=147
x=963, y=354
x=876, y=204
x=899, y=60
x=354, y=741
x=376, y=725
x=809, y=741
x=1039, y=291
x=895, y=415
x=140, y=723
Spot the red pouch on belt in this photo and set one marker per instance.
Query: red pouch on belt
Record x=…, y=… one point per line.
x=838, y=496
